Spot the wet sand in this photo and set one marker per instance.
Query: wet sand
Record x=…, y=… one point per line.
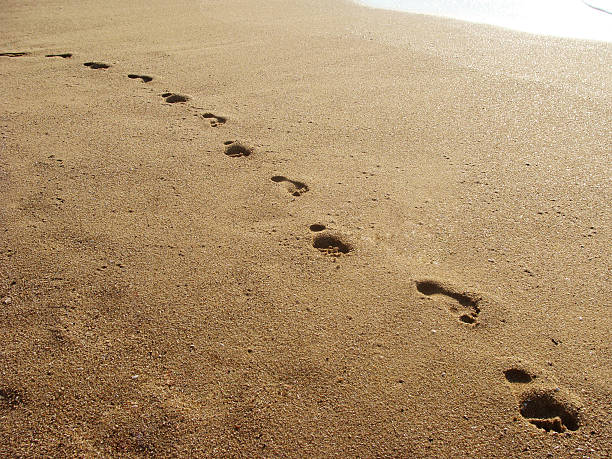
x=300, y=229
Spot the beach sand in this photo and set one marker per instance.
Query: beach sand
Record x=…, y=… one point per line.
x=342, y=232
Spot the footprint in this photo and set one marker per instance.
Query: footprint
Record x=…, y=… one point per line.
x=294, y=187
x=10, y=398
x=518, y=376
x=331, y=244
x=144, y=78
x=14, y=54
x=237, y=150
x=317, y=227
x=172, y=98
x=546, y=408
x=96, y=65
x=215, y=120
x=466, y=306
x=63, y=55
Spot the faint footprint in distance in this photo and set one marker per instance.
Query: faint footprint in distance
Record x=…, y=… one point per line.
x=465, y=305
x=19, y=54
x=63, y=55
x=236, y=149
x=96, y=65
x=144, y=78
x=215, y=120
x=173, y=98
x=294, y=187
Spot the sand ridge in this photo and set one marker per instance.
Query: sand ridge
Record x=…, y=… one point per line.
x=383, y=265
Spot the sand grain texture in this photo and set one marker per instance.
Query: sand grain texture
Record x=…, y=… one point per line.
x=394, y=242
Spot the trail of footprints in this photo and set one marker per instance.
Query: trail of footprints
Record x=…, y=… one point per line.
x=544, y=407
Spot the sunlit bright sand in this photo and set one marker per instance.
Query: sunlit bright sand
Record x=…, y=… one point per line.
x=590, y=19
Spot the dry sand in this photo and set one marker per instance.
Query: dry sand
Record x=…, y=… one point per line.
x=160, y=298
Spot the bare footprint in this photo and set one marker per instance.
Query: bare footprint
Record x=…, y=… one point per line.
x=293, y=186
x=237, y=150
x=63, y=55
x=144, y=78
x=96, y=65
x=549, y=409
x=466, y=306
x=215, y=120
x=21, y=54
x=331, y=244
x=173, y=98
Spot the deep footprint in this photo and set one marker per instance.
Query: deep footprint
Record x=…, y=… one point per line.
x=545, y=410
x=331, y=244
x=96, y=65
x=14, y=54
x=237, y=150
x=464, y=305
x=144, y=78
x=215, y=120
x=293, y=186
x=173, y=98
x=63, y=55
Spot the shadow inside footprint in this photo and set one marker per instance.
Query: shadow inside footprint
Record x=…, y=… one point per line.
x=545, y=410
x=215, y=120
x=237, y=150
x=331, y=244
x=144, y=78
x=517, y=376
x=10, y=398
x=468, y=310
x=317, y=227
x=293, y=186
x=173, y=98
x=96, y=65
x=63, y=55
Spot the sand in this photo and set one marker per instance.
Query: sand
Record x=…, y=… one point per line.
x=300, y=229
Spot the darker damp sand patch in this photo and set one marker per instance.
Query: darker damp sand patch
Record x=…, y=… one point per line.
x=96, y=65
x=545, y=410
